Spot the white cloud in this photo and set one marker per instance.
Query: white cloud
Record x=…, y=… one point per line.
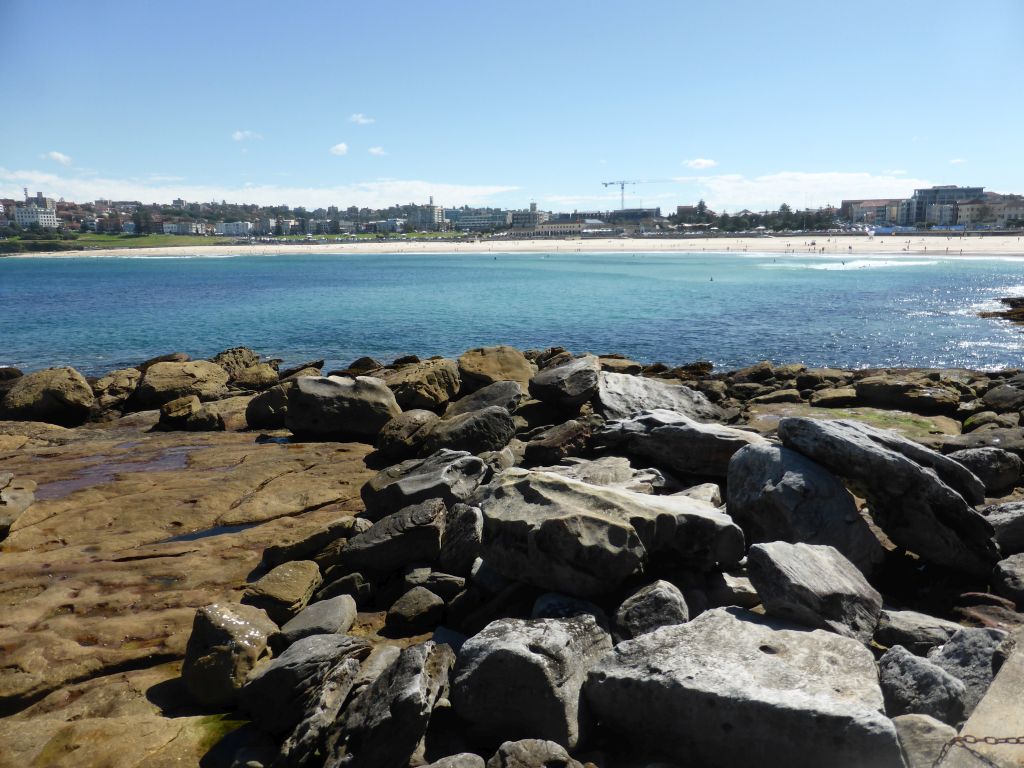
x=700, y=163
x=957, y=161
x=372, y=194
x=360, y=119
x=58, y=157
x=797, y=188
x=246, y=136
x=377, y=151
x=895, y=172
x=339, y=149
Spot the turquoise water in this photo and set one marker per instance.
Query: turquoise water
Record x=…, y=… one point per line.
x=102, y=313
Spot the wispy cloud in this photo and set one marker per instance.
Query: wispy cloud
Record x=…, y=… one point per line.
x=246, y=136
x=360, y=119
x=700, y=163
x=377, y=151
x=58, y=157
x=339, y=149
x=895, y=172
x=164, y=177
x=378, y=193
x=957, y=161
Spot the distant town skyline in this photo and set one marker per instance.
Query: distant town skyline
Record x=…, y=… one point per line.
x=744, y=105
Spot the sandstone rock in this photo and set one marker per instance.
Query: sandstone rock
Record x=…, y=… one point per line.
x=504, y=394
x=729, y=588
x=660, y=604
x=912, y=685
x=56, y=396
x=235, y=360
x=707, y=492
x=779, y=396
x=568, y=385
x=403, y=437
x=163, y=382
x=678, y=442
x=452, y=476
x=417, y=611
x=840, y=397
x=477, y=431
x=1008, y=522
x=386, y=721
x=444, y=585
x=461, y=760
x=620, y=396
x=968, y=656
x=914, y=392
x=113, y=389
x=411, y=535
x=705, y=692
x=173, y=357
x=365, y=364
x=316, y=366
x=999, y=470
x=226, y=642
x=523, y=676
x=320, y=709
x=917, y=632
x=1011, y=440
x=921, y=499
x=609, y=471
x=278, y=694
x=267, y=410
x=558, y=442
x=175, y=413
x=339, y=405
x=991, y=419
x=532, y=753
x=16, y=495
x=428, y=385
x=486, y=365
x=776, y=494
x=462, y=539
x=327, y=617
x=1008, y=579
x=620, y=365
x=581, y=539
x=308, y=546
x=256, y=377
x=284, y=591
x=922, y=739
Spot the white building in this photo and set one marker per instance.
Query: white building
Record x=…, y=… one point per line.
x=184, y=228
x=27, y=215
x=233, y=228
x=481, y=221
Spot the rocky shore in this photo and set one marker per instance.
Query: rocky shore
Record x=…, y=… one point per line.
x=511, y=558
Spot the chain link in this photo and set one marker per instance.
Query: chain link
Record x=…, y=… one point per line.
x=966, y=740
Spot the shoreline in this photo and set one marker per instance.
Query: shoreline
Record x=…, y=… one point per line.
x=896, y=246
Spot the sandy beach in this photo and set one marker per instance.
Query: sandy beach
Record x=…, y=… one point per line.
x=894, y=245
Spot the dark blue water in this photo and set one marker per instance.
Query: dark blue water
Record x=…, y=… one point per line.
x=102, y=313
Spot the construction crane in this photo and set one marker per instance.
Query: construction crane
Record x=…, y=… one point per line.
x=622, y=187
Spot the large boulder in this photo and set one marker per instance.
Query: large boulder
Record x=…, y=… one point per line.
x=610, y=471
x=411, y=535
x=728, y=684
x=660, y=604
x=506, y=394
x=912, y=685
x=476, y=432
x=226, y=642
x=56, y=395
x=568, y=385
x=532, y=753
x=1008, y=521
x=403, y=437
x=969, y=656
x=917, y=392
x=677, y=442
x=112, y=390
x=326, y=617
x=999, y=470
x=236, y=360
x=285, y=590
x=451, y=476
x=816, y=586
x=920, y=498
x=522, y=677
x=568, y=536
x=620, y=395
x=429, y=385
x=551, y=445
x=1008, y=579
x=1007, y=438
x=334, y=405
x=163, y=382
x=917, y=632
x=775, y=494
x=267, y=410
x=256, y=377
x=486, y=365
x=320, y=708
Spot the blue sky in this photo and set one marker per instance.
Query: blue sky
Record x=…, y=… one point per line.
x=744, y=103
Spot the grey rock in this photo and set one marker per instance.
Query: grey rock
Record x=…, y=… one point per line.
x=922, y=739
x=678, y=442
x=816, y=586
x=403, y=437
x=356, y=585
x=554, y=605
x=268, y=409
x=310, y=545
x=418, y=610
x=558, y=442
x=376, y=664
x=339, y=405
x=523, y=676
x=326, y=617
x=462, y=539
x=452, y=476
x=444, y=585
x=915, y=495
x=707, y=691
x=660, y=604
x=277, y=695
x=707, y=492
x=912, y=685
x=728, y=588
x=968, y=656
x=285, y=590
x=319, y=712
x=568, y=385
x=582, y=539
x=999, y=470
x=917, y=632
x=504, y=394
x=1008, y=439
x=227, y=641
x=776, y=494
x=1005, y=397
x=1008, y=579
x=620, y=395
x=411, y=535
x=477, y=431
x=610, y=472
x=532, y=753
x=1008, y=522
x=383, y=725
x=461, y=760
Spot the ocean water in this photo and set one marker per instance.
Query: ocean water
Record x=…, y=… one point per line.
x=98, y=314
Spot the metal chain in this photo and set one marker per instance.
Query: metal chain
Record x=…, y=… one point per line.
x=964, y=741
